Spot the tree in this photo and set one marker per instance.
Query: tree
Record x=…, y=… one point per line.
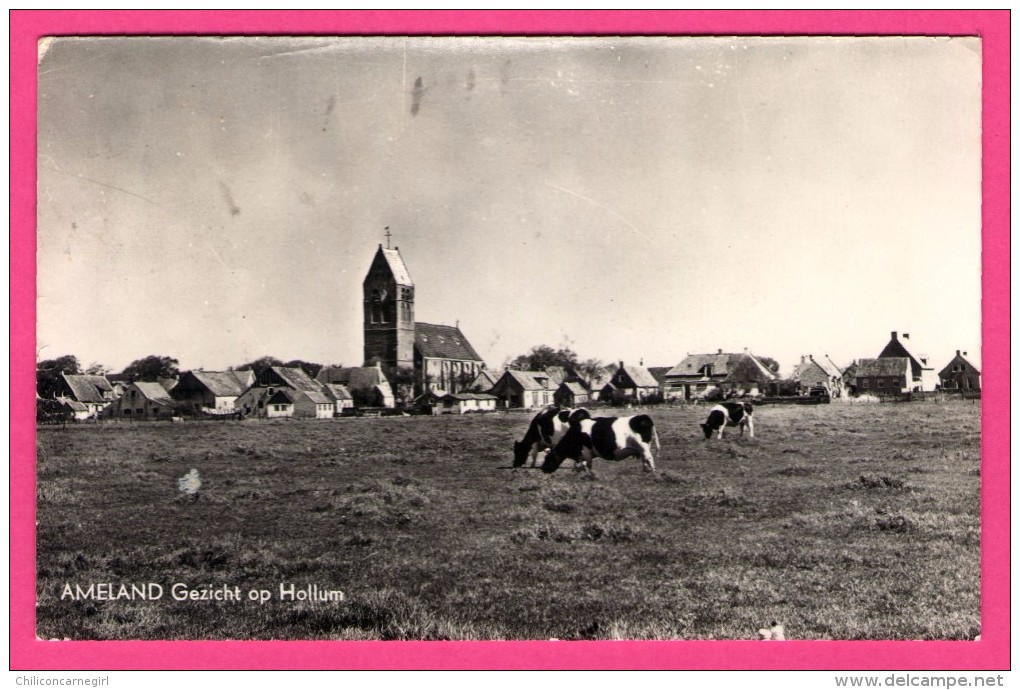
x=47, y=374
x=591, y=370
x=310, y=368
x=260, y=366
x=771, y=364
x=542, y=356
x=97, y=369
x=151, y=368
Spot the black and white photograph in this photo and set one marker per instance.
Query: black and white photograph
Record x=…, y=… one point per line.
x=509, y=338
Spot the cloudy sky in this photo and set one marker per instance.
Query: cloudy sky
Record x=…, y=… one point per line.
x=216, y=200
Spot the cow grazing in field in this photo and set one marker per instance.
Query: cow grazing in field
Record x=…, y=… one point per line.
x=729, y=414
x=545, y=431
x=609, y=438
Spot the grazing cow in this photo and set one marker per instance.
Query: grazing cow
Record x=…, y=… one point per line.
x=545, y=431
x=729, y=414
x=609, y=438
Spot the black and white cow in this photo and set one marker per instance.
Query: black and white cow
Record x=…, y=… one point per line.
x=610, y=438
x=729, y=414
x=545, y=431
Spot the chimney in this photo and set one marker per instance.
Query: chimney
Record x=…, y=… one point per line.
x=719, y=351
x=958, y=353
x=641, y=362
x=803, y=359
x=621, y=364
x=894, y=335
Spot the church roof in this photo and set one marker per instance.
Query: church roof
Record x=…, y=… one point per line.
x=443, y=342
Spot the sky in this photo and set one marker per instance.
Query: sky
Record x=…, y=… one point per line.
x=634, y=199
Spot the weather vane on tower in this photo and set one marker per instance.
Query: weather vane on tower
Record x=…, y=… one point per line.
x=388, y=236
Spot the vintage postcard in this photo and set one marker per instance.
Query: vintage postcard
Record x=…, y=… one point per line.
x=539, y=339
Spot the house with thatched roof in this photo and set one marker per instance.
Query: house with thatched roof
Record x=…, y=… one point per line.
x=142, y=400
x=211, y=392
x=484, y=382
x=633, y=383
x=523, y=389
x=571, y=394
x=813, y=373
x=368, y=385
x=884, y=376
x=734, y=373
x=307, y=398
x=94, y=392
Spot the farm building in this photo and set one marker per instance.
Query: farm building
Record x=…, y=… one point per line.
x=523, y=389
x=633, y=383
x=484, y=382
x=463, y=403
x=94, y=392
x=308, y=398
x=923, y=376
x=733, y=373
x=960, y=375
x=68, y=409
x=884, y=376
x=142, y=400
x=441, y=357
x=571, y=394
x=368, y=386
x=212, y=392
x=281, y=403
x=815, y=373
x=341, y=397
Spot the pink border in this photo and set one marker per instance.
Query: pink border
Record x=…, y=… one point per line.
x=992, y=652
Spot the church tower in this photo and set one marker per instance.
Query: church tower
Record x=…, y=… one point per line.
x=388, y=295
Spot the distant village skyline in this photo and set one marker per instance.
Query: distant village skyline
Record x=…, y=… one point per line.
x=219, y=200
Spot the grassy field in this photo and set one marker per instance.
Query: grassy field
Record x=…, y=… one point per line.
x=840, y=522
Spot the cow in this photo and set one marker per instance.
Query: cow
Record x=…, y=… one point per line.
x=609, y=438
x=729, y=414
x=545, y=431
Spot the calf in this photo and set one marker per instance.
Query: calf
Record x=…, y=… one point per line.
x=729, y=414
x=545, y=431
x=610, y=438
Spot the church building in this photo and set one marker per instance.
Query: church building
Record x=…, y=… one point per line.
x=442, y=359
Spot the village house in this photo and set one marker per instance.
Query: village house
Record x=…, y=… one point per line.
x=211, y=392
x=464, y=403
x=960, y=375
x=305, y=395
x=733, y=373
x=94, y=392
x=280, y=403
x=571, y=394
x=484, y=382
x=814, y=373
x=368, y=386
x=633, y=384
x=142, y=400
x=523, y=389
x=440, y=357
x=923, y=377
x=884, y=376
x=341, y=397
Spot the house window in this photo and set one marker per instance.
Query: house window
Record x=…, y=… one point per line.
x=864, y=383
x=881, y=383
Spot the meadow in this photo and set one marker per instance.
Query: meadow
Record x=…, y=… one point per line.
x=839, y=521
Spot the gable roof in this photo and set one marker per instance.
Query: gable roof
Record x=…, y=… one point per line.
x=573, y=387
x=884, y=366
x=354, y=378
x=640, y=376
x=88, y=388
x=337, y=391
x=659, y=374
x=397, y=266
x=154, y=392
x=283, y=396
x=897, y=347
x=443, y=342
x=826, y=368
x=735, y=366
x=947, y=371
x=223, y=383
x=485, y=380
x=296, y=378
x=528, y=380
